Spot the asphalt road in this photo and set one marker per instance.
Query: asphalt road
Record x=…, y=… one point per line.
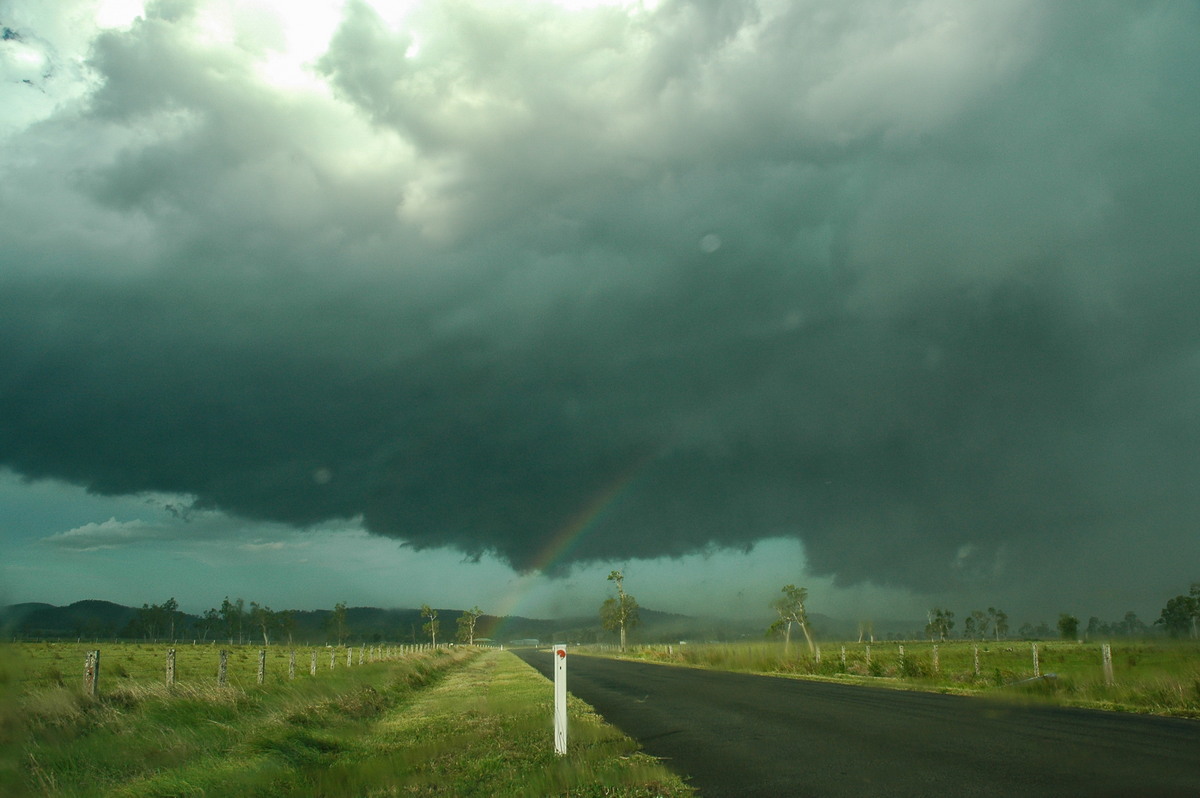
x=740, y=735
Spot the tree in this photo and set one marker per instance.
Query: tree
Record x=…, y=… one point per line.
x=1132, y=626
x=969, y=627
x=620, y=613
x=791, y=610
x=145, y=623
x=171, y=614
x=233, y=613
x=1030, y=632
x=940, y=623
x=430, y=628
x=263, y=619
x=153, y=620
x=982, y=621
x=1181, y=616
x=466, y=625
x=1068, y=626
x=285, y=622
x=209, y=623
x=337, y=622
x=999, y=622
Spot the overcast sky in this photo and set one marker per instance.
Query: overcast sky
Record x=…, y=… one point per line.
x=469, y=302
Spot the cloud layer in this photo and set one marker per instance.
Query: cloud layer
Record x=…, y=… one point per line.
x=914, y=282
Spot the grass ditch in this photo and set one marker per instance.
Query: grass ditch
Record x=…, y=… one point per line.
x=142, y=739
x=1152, y=677
x=487, y=731
x=463, y=722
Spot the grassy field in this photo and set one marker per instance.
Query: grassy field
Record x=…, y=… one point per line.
x=458, y=721
x=1160, y=677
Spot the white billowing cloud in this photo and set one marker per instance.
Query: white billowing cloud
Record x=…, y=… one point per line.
x=176, y=521
x=260, y=545
x=107, y=535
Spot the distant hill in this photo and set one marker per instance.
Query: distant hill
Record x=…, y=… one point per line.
x=106, y=620
x=88, y=618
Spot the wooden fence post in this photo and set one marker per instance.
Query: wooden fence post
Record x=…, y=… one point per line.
x=223, y=669
x=262, y=665
x=91, y=674
x=361, y=651
x=1037, y=668
x=170, y=667
x=902, y=659
x=937, y=664
x=292, y=664
x=312, y=669
x=843, y=658
x=976, y=660
x=349, y=656
x=332, y=657
x=868, y=655
x=1106, y=654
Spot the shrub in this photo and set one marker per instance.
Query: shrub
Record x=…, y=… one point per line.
x=914, y=668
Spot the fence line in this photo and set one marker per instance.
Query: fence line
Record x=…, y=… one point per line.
x=1002, y=662
x=92, y=673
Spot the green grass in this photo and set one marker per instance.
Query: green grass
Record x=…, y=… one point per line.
x=1159, y=677
x=459, y=722
x=486, y=731
x=55, y=664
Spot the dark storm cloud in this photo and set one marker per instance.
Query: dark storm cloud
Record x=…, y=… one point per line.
x=917, y=285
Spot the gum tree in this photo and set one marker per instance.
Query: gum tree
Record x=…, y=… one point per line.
x=1181, y=615
x=999, y=620
x=1068, y=626
x=620, y=613
x=263, y=618
x=466, y=625
x=791, y=609
x=337, y=622
x=940, y=623
x=431, y=626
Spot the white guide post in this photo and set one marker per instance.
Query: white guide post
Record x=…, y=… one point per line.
x=560, y=699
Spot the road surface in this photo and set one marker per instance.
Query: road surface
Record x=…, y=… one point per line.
x=736, y=734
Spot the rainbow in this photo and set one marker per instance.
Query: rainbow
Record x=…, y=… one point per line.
x=567, y=537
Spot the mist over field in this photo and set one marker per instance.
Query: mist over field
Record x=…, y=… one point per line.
x=471, y=302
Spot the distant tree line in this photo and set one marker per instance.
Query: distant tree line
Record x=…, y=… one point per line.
x=238, y=622
x=232, y=621
x=157, y=620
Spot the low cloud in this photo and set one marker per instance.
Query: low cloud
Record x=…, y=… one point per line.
x=109, y=534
